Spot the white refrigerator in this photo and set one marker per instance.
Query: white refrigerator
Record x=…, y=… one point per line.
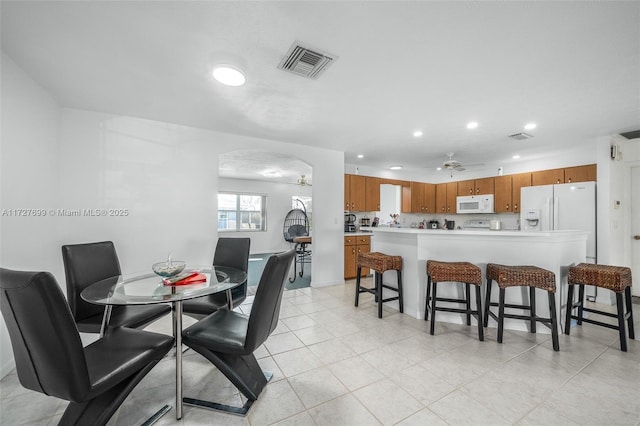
x=563, y=206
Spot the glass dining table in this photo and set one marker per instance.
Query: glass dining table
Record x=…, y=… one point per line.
x=149, y=288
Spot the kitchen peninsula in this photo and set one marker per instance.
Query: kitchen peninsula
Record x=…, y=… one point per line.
x=552, y=250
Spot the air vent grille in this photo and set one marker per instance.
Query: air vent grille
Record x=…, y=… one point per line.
x=305, y=62
x=520, y=136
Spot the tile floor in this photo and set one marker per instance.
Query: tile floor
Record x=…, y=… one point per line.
x=335, y=364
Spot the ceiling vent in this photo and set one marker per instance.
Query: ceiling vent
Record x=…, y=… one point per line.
x=305, y=62
x=520, y=136
x=635, y=134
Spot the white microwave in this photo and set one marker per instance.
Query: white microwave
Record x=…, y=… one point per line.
x=475, y=204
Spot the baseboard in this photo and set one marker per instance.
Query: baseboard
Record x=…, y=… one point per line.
x=326, y=284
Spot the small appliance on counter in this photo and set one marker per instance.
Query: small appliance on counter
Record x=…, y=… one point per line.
x=365, y=221
x=375, y=221
x=477, y=225
x=495, y=225
x=349, y=222
x=449, y=224
x=433, y=224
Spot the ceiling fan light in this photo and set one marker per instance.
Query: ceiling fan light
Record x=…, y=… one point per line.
x=229, y=75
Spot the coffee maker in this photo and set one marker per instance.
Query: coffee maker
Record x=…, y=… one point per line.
x=349, y=222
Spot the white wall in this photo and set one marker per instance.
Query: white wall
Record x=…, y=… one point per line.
x=278, y=205
x=28, y=180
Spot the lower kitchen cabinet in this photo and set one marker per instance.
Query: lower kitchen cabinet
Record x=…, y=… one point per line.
x=352, y=246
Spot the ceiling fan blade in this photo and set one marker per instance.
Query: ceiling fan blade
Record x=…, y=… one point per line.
x=459, y=169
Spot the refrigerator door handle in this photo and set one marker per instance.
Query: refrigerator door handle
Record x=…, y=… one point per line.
x=556, y=213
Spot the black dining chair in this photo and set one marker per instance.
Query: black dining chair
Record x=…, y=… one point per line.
x=232, y=252
x=85, y=264
x=50, y=358
x=228, y=338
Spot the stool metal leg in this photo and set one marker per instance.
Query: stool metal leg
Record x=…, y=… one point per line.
x=400, y=301
x=580, y=303
x=554, y=321
x=479, y=309
x=379, y=292
x=567, y=321
x=432, y=328
x=468, y=302
x=621, y=320
x=532, y=308
x=501, y=315
x=358, y=285
x=627, y=296
x=426, y=304
x=487, y=302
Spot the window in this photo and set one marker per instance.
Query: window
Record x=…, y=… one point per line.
x=241, y=212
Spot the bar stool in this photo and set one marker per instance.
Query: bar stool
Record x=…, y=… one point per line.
x=522, y=276
x=379, y=263
x=462, y=272
x=614, y=278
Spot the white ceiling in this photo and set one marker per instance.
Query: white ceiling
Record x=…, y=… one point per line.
x=571, y=67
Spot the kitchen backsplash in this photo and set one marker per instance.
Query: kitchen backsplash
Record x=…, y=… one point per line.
x=510, y=221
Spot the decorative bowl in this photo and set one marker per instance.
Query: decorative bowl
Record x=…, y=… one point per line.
x=169, y=269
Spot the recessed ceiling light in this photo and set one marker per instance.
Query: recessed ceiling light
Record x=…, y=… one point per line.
x=395, y=167
x=472, y=125
x=229, y=75
x=515, y=157
x=530, y=126
x=360, y=156
x=417, y=133
x=439, y=168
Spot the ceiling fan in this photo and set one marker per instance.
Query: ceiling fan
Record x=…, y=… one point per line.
x=456, y=165
x=302, y=181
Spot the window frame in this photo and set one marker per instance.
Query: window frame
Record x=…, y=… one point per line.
x=238, y=212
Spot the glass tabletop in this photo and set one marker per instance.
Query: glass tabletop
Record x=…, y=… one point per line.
x=148, y=288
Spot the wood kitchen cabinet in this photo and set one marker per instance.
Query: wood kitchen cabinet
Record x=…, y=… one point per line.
x=354, y=193
x=372, y=194
x=518, y=181
x=476, y=186
x=446, y=195
x=547, y=177
x=503, y=193
x=352, y=246
x=422, y=196
x=586, y=173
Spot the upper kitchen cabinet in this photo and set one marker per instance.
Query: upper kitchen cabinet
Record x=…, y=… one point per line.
x=476, y=186
x=422, y=197
x=547, y=177
x=446, y=195
x=518, y=181
x=372, y=194
x=354, y=193
x=503, y=194
x=580, y=173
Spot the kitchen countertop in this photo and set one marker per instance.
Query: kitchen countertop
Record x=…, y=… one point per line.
x=358, y=234
x=477, y=232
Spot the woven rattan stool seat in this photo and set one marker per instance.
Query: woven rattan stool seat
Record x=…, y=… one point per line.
x=614, y=278
x=514, y=276
x=461, y=272
x=379, y=262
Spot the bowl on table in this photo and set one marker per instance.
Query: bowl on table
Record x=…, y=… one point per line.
x=169, y=269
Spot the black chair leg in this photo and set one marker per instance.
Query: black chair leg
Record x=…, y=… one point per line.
x=432, y=328
x=627, y=297
x=426, y=304
x=99, y=410
x=358, y=285
x=479, y=309
x=487, y=303
x=467, y=289
x=554, y=321
x=580, y=303
x=501, y=315
x=400, y=300
x=532, y=308
x=379, y=291
x=621, y=322
x=567, y=320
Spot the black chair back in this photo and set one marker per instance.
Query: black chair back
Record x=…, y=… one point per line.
x=233, y=252
x=46, y=345
x=85, y=264
x=266, y=304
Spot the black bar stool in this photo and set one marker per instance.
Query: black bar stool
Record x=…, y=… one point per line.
x=522, y=276
x=379, y=263
x=614, y=278
x=462, y=272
